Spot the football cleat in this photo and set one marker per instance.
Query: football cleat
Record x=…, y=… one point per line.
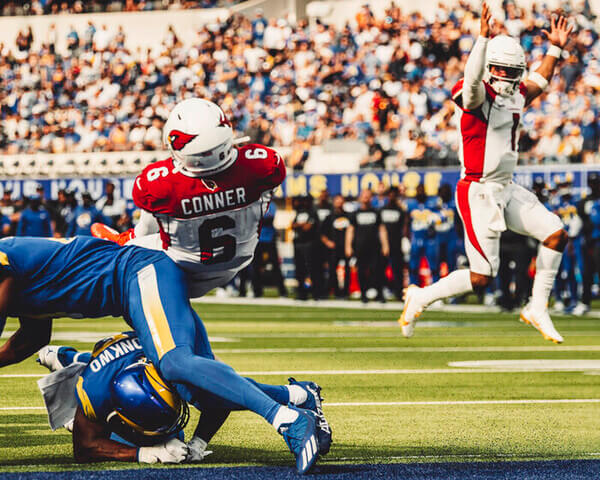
x=301, y=437
x=414, y=305
x=48, y=357
x=542, y=322
x=99, y=230
x=314, y=402
x=580, y=309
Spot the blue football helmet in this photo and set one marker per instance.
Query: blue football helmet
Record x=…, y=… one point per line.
x=146, y=408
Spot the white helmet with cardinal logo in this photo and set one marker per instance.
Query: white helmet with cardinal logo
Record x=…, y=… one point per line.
x=199, y=137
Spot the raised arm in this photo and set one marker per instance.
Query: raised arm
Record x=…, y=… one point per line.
x=558, y=36
x=473, y=92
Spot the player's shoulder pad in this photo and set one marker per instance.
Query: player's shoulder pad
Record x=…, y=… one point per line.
x=263, y=164
x=153, y=186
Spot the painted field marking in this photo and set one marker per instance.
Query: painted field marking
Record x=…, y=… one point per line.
x=464, y=402
x=545, y=348
x=22, y=408
x=532, y=364
x=406, y=371
x=421, y=403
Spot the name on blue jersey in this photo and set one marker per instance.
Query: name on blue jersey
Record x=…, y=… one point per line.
x=113, y=352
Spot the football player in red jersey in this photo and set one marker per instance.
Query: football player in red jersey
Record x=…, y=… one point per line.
x=204, y=204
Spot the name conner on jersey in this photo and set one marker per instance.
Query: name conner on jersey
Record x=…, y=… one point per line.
x=211, y=202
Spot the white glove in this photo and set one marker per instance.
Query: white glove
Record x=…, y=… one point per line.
x=172, y=451
x=197, y=450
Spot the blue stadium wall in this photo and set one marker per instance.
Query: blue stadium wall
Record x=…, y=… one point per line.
x=312, y=184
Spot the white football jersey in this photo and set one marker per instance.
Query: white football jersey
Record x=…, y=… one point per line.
x=209, y=227
x=489, y=147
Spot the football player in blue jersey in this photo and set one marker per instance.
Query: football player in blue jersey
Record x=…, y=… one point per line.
x=571, y=266
x=423, y=217
x=589, y=211
x=446, y=228
x=119, y=408
x=88, y=277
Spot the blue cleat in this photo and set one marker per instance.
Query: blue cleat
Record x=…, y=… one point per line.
x=301, y=438
x=314, y=403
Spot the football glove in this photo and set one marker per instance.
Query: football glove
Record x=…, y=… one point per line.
x=99, y=230
x=172, y=451
x=197, y=450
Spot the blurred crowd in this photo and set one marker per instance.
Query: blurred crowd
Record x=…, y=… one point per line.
x=53, y=7
x=383, y=80
x=371, y=246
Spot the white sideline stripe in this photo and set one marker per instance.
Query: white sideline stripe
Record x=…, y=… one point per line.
x=346, y=304
x=463, y=402
x=22, y=408
x=548, y=348
x=407, y=371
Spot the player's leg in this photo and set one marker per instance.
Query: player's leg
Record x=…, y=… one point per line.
x=170, y=334
x=526, y=215
x=414, y=262
x=432, y=253
x=482, y=246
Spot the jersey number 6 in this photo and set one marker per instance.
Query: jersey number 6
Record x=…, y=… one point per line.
x=216, y=249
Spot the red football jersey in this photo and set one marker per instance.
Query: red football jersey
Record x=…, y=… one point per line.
x=210, y=226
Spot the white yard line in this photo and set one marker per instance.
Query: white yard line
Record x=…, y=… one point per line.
x=346, y=304
x=464, y=402
x=406, y=371
x=548, y=348
x=423, y=403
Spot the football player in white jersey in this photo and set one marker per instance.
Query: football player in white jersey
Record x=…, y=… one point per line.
x=489, y=104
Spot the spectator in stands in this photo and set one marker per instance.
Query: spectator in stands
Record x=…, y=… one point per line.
x=375, y=156
x=34, y=220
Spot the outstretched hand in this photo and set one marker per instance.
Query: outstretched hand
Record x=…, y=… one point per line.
x=559, y=31
x=486, y=16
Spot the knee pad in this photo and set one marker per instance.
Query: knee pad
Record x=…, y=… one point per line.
x=174, y=364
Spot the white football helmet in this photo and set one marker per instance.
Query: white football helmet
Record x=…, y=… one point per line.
x=199, y=137
x=505, y=52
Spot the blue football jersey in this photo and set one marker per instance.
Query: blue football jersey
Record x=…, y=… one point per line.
x=78, y=277
x=424, y=217
x=109, y=358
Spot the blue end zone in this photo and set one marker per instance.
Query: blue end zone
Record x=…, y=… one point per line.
x=542, y=470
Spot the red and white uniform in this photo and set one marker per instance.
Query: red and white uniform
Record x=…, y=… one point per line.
x=209, y=227
x=487, y=200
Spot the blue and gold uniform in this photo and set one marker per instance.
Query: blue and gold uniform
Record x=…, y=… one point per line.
x=423, y=218
x=109, y=357
x=570, y=272
x=89, y=277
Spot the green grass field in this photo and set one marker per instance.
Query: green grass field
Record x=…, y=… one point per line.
x=359, y=357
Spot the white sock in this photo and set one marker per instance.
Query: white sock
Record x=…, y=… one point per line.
x=455, y=283
x=284, y=415
x=297, y=394
x=546, y=267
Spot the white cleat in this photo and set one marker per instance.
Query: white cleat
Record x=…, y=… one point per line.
x=541, y=321
x=48, y=357
x=580, y=309
x=414, y=304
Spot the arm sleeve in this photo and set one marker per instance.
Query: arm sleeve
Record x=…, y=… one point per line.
x=473, y=92
x=147, y=225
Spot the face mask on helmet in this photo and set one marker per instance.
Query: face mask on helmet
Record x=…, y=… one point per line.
x=505, y=80
x=146, y=408
x=504, y=65
x=199, y=137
